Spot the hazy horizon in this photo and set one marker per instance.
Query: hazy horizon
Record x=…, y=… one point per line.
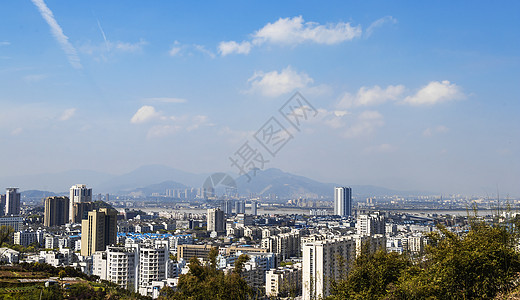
x=407, y=96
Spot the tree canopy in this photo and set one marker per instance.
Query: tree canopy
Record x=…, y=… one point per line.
x=476, y=265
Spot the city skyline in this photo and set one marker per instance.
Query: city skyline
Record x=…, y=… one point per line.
x=409, y=96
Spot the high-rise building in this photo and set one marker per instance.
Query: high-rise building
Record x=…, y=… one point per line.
x=370, y=224
x=2, y=205
x=254, y=208
x=122, y=265
x=324, y=261
x=342, y=201
x=227, y=207
x=152, y=264
x=98, y=230
x=80, y=211
x=12, y=202
x=240, y=207
x=56, y=211
x=216, y=220
x=79, y=193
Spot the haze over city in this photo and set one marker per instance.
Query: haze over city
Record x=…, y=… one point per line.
x=408, y=95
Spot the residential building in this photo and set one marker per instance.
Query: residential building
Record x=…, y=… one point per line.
x=216, y=220
x=56, y=211
x=98, y=231
x=79, y=193
x=122, y=267
x=342, y=201
x=240, y=207
x=153, y=259
x=186, y=252
x=25, y=238
x=12, y=202
x=13, y=221
x=284, y=281
x=100, y=264
x=324, y=261
x=369, y=224
x=2, y=205
x=254, y=208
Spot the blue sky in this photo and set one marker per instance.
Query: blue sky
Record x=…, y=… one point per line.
x=409, y=95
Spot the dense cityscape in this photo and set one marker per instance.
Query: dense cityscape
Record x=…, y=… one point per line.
x=145, y=248
x=247, y=150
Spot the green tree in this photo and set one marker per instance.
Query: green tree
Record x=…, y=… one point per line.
x=476, y=265
x=371, y=275
x=5, y=234
x=205, y=281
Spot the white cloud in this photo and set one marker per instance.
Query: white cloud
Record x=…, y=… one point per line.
x=371, y=96
x=145, y=114
x=128, y=47
x=166, y=100
x=163, y=125
x=198, y=121
x=60, y=37
x=230, y=47
x=274, y=83
x=174, y=51
x=365, y=124
x=5, y=43
x=334, y=119
x=294, y=31
x=203, y=50
x=435, y=130
x=379, y=23
x=108, y=48
x=67, y=114
x=158, y=131
x=435, y=92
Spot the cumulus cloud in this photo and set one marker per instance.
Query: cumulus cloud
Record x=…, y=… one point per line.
x=365, y=124
x=226, y=48
x=379, y=23
x=163, y=125
x=145, y=114
x=67, y=114
x=274, y=83
x=371, y=96
x=435, y=92
x=58, y=34
x=294, y=31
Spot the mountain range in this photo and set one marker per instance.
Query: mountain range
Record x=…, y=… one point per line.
x=157, y=179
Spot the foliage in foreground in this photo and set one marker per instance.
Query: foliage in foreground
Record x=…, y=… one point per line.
x=206, y=282
x=86, y=289
x=478, y=265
